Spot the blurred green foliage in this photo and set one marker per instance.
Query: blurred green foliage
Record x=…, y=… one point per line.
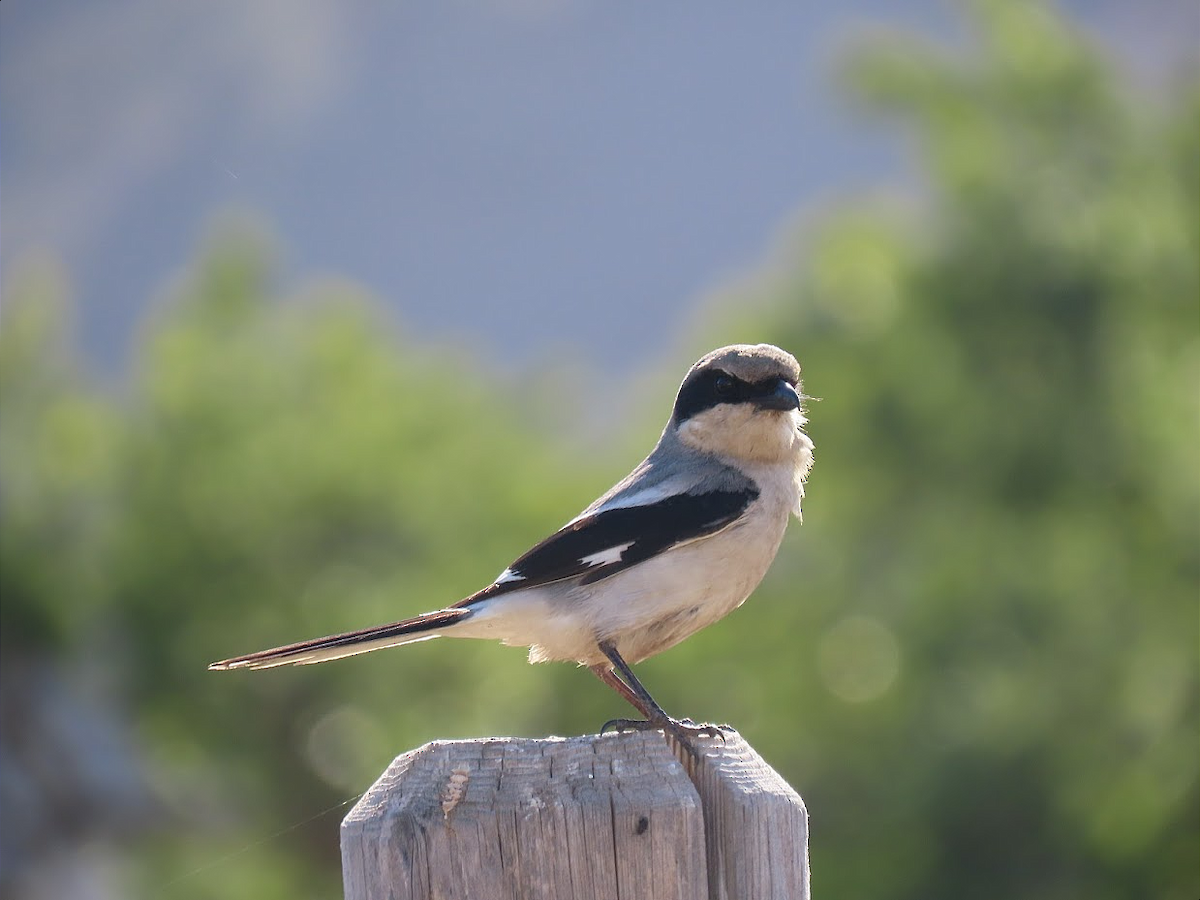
x=976, y=660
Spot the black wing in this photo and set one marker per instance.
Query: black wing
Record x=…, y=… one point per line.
x=606, y=542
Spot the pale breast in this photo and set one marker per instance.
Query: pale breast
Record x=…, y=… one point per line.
x=689, y=588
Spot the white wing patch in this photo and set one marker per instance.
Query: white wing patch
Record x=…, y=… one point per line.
x=604, y=557
x=508, y=575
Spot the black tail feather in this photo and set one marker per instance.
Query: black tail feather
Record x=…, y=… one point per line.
x=335, y=646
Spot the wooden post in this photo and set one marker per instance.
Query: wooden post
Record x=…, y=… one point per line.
x=613, y=816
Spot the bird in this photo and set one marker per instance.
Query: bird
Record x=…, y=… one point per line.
x=676, y=545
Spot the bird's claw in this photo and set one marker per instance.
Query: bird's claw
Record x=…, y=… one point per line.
x=683, y=730
x=708, y=729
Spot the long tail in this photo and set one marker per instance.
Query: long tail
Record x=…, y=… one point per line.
x=335, y=646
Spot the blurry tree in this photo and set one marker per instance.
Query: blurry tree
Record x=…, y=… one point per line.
x=997, y=581
x=295, y=470
x=276, y=470
x=69, y=767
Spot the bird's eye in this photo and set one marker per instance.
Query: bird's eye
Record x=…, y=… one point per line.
x=723, y=385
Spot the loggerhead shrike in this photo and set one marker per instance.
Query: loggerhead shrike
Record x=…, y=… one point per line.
x=676, y=545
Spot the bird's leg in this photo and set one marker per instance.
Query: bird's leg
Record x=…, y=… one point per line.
x=609, y=677
x=627, y=685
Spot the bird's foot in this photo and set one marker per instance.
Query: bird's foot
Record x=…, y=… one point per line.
x=683, y=730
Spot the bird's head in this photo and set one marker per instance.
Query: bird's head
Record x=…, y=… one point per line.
x=743, y=402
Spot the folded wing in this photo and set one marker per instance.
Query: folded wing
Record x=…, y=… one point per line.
x=600, y=544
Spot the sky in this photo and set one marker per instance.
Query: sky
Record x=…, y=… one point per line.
x=530, y=178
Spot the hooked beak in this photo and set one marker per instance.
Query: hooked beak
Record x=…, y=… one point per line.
x=781, y=396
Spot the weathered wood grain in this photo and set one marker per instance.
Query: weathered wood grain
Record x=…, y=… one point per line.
x=756, y=826
x=614, y=816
